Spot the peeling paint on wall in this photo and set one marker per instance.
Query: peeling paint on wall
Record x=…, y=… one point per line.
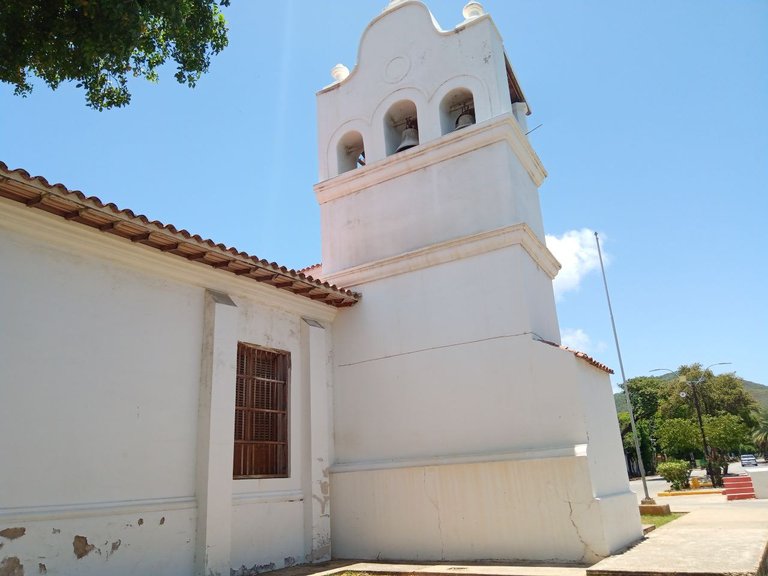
x=11, y=566
x=13, y=533
x=41, y=568
x=114, y=548
x=81, y=547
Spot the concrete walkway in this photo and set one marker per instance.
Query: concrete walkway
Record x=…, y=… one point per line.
x=714, y=540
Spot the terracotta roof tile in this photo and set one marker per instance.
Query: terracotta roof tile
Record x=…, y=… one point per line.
x=581, y=355
x=37, y=192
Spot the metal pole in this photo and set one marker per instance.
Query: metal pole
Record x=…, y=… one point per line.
x=710, y=470
x=647, y=499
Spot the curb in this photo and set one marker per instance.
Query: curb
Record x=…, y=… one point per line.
x=692, y=492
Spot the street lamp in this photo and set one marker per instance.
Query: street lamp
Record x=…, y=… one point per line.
x=697, y=406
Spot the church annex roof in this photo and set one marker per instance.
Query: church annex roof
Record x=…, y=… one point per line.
x=588, y=359
x=36, y=192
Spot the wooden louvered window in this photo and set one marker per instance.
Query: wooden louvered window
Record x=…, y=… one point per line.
x=261, y=412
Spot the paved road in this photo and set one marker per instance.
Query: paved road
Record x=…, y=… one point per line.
x=657, y=484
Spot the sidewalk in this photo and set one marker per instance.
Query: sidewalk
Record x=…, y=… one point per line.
x=715, y=539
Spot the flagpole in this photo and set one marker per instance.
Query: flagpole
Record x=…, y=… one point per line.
x=647, y=499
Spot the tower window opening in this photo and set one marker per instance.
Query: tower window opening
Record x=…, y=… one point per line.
x=401, y=127
x=350, y=152
x=457, y=110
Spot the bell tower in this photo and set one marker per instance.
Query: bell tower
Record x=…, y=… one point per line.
x=457, y=416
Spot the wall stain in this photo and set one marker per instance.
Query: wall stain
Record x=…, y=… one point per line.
x=11, y=566
x=252, y=571
x=56, y=531
x=115, y=546
x=41, y=568
x=162, y=520
x=81, y=547
x=141, y=522
x=289, y=561
x=13, y=533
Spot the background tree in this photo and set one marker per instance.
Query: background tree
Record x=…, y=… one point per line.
x=760, y=434
x=678, y=437
x=725, y=433
x=646, y=447
x=99, y=43
x=723, y=394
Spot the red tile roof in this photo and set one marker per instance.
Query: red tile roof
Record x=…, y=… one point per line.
x=581, y=355
x=36, y=192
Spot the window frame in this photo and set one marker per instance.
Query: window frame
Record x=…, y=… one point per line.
x=283, y=465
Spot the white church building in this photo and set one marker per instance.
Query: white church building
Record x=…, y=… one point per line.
x=172, y=406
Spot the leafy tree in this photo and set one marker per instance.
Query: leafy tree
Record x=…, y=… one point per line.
x=760, y=434
x=98, y=43
x=678, y=437
x=723, y=394
x=726, y=433
x=646, y=392
x=628, y=441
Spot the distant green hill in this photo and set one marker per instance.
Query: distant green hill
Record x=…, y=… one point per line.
x=758, y=391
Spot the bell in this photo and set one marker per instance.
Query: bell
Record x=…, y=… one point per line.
x=410, y=139
x=466, y=118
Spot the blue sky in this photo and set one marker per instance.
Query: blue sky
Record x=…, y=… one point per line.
x=655, y=134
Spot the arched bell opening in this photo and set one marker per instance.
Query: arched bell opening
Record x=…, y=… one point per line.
x=457, y=110
x=350, y=152
x=401, y=127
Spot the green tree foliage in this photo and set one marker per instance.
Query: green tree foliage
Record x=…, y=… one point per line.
x=628, y=441
x=99, y=43
x=760, y=434
x=676, y=472
x=678, y=437
x=726, y=433
x=646, y=393
x=723, y=394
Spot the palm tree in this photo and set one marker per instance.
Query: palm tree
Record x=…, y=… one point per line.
x=760, y=435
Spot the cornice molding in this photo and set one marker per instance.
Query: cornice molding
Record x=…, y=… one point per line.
x=448, y=251
x=569, y=451
x=502, y=128
x=90, y=509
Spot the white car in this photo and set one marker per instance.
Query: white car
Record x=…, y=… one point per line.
x=748, y=460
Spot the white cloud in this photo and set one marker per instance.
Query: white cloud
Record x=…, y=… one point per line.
x=577, y=252
x=576, y=339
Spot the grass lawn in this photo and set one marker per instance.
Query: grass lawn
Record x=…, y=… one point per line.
x=660, y=520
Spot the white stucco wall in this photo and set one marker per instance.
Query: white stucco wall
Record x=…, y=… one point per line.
x=101, y=350
x=759, y=481
x=535, y=509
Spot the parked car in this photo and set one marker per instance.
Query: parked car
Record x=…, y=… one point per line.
x=748, y=460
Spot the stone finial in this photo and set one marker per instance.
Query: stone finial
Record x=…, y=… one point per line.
x=472, y=10
x=339, y=72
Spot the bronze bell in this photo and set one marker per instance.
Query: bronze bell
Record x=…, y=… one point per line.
x=410, y=136
x=466, y=118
